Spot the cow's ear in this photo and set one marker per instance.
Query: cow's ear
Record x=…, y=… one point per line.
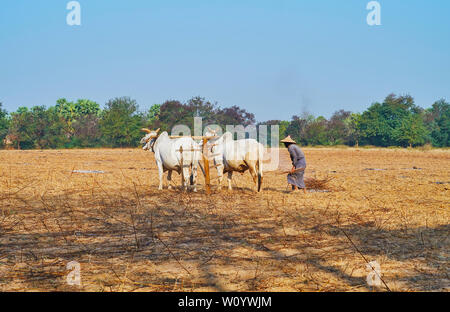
x=146, y=130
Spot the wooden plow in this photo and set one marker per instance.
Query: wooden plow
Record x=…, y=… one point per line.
x=205, y=159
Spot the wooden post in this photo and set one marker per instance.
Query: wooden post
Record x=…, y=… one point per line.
x=206, y=163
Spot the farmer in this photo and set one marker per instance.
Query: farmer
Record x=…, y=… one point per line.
x=295, y=176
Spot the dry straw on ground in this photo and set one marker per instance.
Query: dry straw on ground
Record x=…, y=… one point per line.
x=128, y=236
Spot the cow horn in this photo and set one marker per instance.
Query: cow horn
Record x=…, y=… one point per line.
x=146, y=130
x=158, y=130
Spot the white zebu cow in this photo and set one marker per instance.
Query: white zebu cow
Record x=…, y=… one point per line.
x=168, y=156
x=230, y=155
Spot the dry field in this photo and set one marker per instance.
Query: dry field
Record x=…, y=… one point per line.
x=128, y=236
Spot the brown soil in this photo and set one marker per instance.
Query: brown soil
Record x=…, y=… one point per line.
x=128, y=236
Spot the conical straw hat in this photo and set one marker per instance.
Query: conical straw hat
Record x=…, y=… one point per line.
x=288, y=139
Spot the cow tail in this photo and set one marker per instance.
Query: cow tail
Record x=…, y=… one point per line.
x=195, y=163
x=260, y=166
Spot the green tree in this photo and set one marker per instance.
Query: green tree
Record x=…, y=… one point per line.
x=4, y=124
x=411, y=132
x=121, y=122
x=282, y=131
x=385, y=124
x=84, y=107
x=316, y=133
x=284, y=124
x=176, y=113
x=20, y=128
x=86, y=132
x=437, y=121
x=354, y=125
x=52, y=129
x=338, y=130
x=38, y=127
x=297, y=128
x=173, y=113
x=200, y=107
x=73, y=112
x=153, y=114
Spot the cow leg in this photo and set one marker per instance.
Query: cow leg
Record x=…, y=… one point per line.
x=230, y=176
x=169, y=180
x=252, y=170
x=185, y=177
x=194, y=178
x=220, y=175
x=182, y=178
x=161, y=174
x=253, y=173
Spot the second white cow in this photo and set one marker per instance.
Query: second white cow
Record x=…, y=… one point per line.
x=236, y=155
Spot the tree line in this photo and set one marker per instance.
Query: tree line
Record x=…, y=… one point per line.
x=397, y=121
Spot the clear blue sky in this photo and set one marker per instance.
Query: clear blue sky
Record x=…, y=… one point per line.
x=275, y=58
